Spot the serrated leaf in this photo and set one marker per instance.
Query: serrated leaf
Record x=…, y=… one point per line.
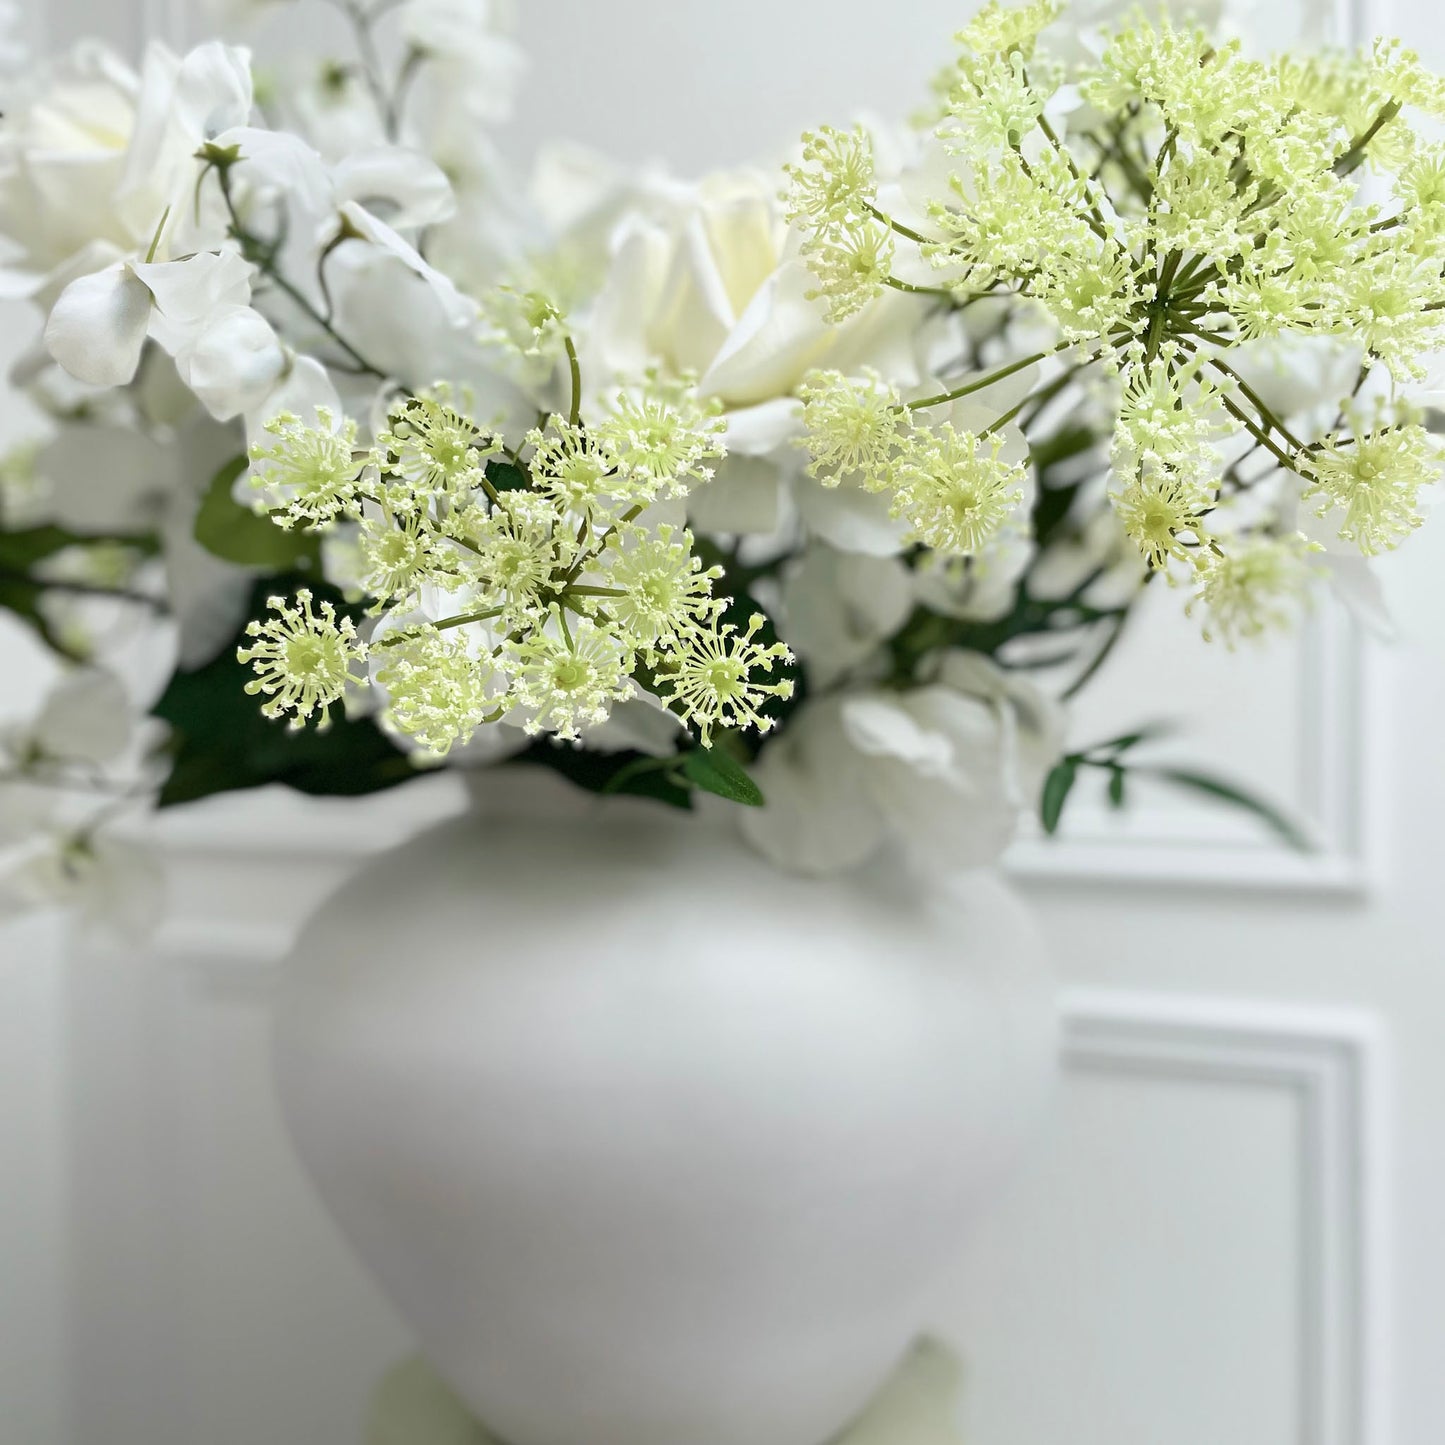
x=1057, y=787
x=233, y=533
x=714, y=771
x=1238, y=797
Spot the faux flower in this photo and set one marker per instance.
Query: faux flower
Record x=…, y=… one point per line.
x=945, y=771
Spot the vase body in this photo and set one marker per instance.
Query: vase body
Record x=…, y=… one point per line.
x=651, y=1143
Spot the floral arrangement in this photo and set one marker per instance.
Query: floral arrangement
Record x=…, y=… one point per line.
x=822, y=493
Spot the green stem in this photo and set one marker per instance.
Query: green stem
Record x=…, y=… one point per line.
x=463, y=618
x=1270, y=419
x=1099, y=659
x=254, y=250
x=896, y=226
x=979, y=383
x=1262, y=437
x=912, y=290
x=1354, y=154
x=1095, y=217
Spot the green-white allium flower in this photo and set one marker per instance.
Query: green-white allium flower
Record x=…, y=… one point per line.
x=303, y=658
x=710, y=678
x=664, y=436
x=437, y=685
x=1374, y=479
x=853, y=426
x=309, y=474
x=434, y=446
x=534, y=591
x=1254, y=588
x=656, y=588
x=569, y=676
x=1164, y=515
x=956, y=489
x=1200, y=201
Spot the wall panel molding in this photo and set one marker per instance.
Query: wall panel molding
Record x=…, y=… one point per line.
x=1342, y=689
x=1332, y=1065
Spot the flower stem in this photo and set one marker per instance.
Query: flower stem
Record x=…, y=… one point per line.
x=979, y=383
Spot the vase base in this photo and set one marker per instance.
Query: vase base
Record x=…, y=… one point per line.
x=921, y=1404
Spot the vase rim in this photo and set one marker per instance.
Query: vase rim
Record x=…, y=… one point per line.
x=526, y=790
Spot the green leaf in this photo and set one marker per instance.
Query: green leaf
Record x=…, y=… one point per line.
x=1237, y=797
x=1057, y=787
x=236, y=534
x=21, y=550
x=21, y=596
x=507, y=476
x=633, y=773
x=714, y=771
x=1122, y=744
x=220, y=742
x=1116, y=787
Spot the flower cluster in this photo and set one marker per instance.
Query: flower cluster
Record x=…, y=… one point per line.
x=955, y=488
x=1200, y=205
x=831, y=191
x=537, y=585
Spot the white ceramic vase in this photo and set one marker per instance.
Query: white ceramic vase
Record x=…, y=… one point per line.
x=651, y=1143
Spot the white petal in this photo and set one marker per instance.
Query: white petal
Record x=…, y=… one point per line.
x=849, y=518
x=189, y=293
x=213, y=89
x=816, y=818
x=234, y=363
x=25, y=808
x=642, y=724
x=755, y=431
x=87, y=717
x=105, y=477
x=405, y=186
x=881, y=727
x=694, y=312
x=744, y=497
x=98, y=326
x=305, y=386
x=459, y=309
x=774, y=342
x=278, y=161
x=207, y=596
x=618, y=336
x=840, y=606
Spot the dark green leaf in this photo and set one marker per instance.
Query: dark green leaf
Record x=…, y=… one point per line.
x=632, y=773
x=220, y=741
x=715, y=772
x=1116, y=787
x=1057, y=786
x=1122, y=744
x=1063, y=445
x=233, y=533
x=18, y=594
x=506, y=476
x=21, y=551
x=1237, y=797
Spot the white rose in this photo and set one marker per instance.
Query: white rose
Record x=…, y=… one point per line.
x=62, y=158
x=706, y=278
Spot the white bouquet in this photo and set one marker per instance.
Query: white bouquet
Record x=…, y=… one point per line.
x=820, y=491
